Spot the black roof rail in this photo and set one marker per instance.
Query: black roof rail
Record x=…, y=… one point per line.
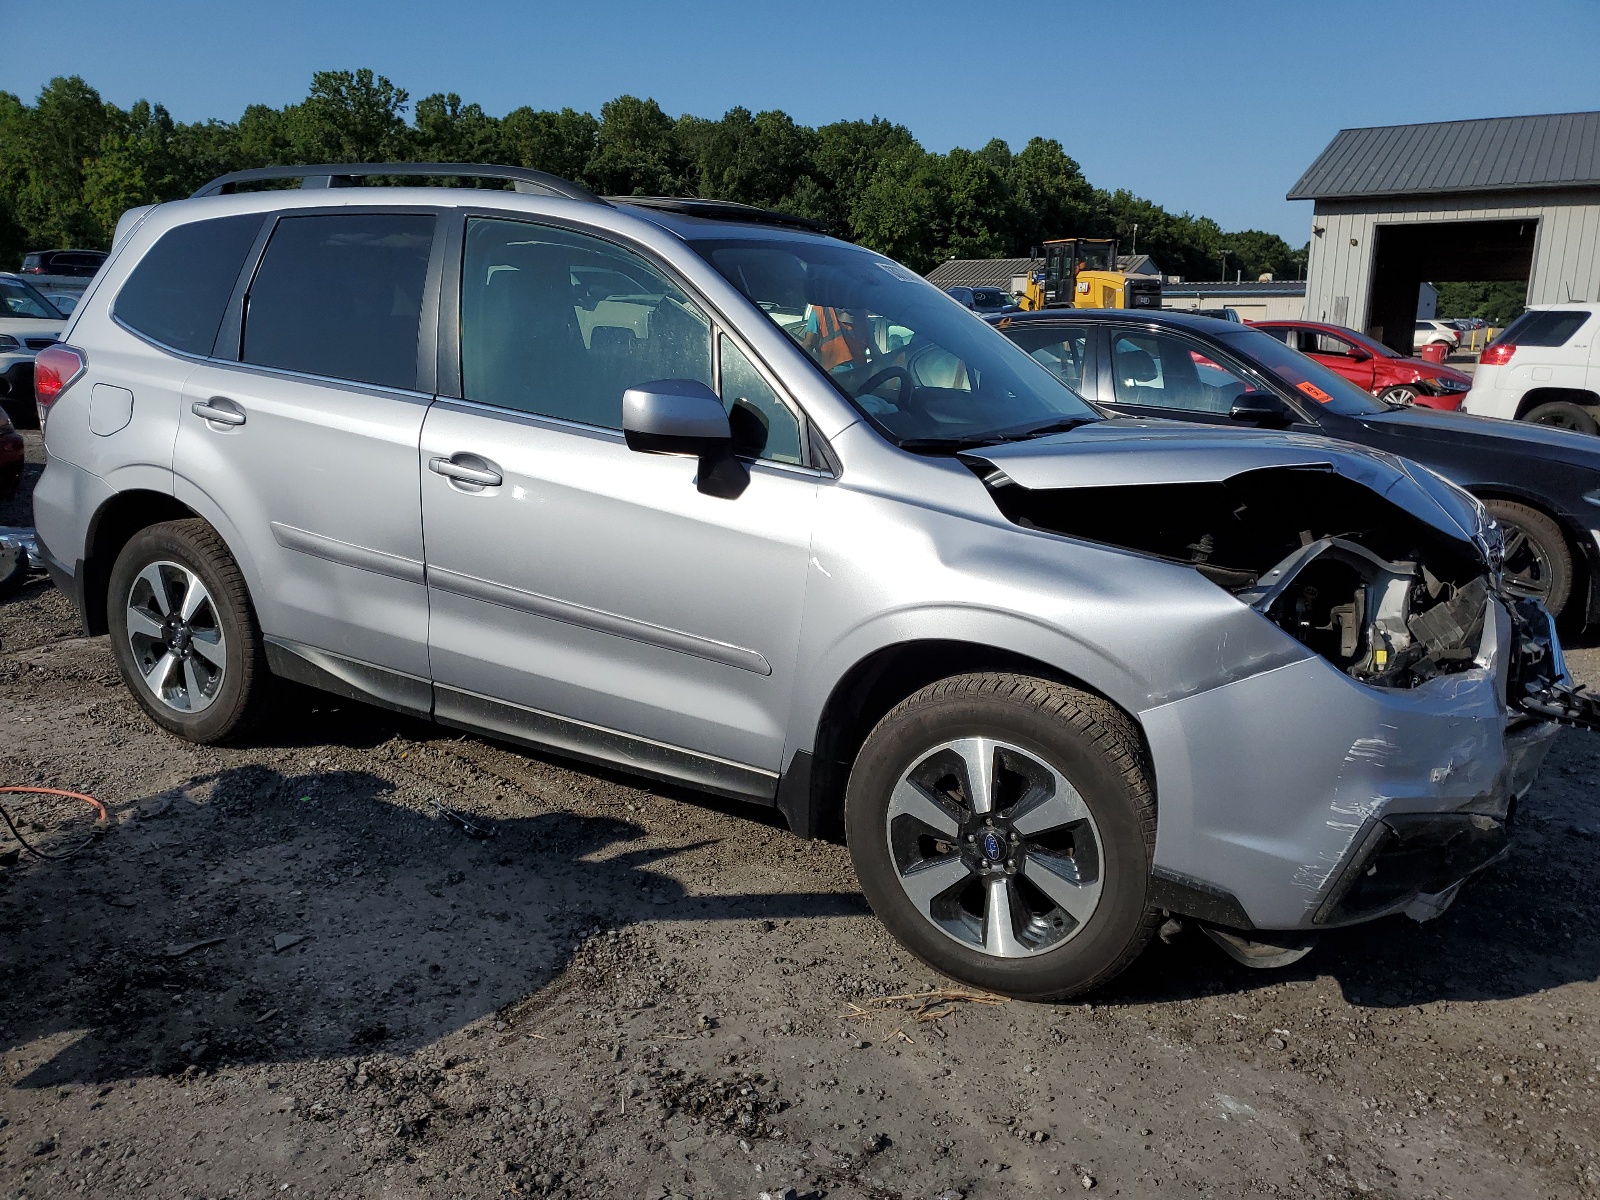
x=720, y=210
x=323, y=175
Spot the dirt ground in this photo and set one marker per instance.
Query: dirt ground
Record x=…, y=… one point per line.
x=287, y=970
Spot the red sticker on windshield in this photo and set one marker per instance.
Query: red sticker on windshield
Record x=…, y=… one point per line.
x=1312, y=390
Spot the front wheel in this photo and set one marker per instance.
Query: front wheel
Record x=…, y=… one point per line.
x=1538, y=561
x=1399, y=395
x=1002, y=828
x=183, y=632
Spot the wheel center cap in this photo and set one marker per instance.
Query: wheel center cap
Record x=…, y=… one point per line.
x=180, y=638
x=994, y=848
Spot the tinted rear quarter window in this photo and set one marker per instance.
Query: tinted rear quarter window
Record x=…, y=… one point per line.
x=341, y=296
x=1547, y=328
x=180, y=289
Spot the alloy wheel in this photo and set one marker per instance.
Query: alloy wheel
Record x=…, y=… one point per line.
x=1527, y=562
x=176, y=636
x=995, y=848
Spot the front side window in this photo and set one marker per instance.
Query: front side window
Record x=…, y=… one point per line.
x=922, y=371
x=1326, y=343
x=341, y=296
x=560, y=324
x=1160, y=371
x=178, y=292
x=17, y=299
x=763, y=426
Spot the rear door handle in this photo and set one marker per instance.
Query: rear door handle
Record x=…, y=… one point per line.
x=481, y=476
x=218, y=409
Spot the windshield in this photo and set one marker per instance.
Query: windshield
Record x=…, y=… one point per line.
x=917, y=365
x=17, y=299
x=990, y=297
x=1305, y=375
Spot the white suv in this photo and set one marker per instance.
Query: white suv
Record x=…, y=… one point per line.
x=1544, y=368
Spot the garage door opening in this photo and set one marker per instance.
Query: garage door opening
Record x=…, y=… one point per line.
x=1441, y=252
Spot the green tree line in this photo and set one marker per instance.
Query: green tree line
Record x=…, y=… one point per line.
x=71, y=163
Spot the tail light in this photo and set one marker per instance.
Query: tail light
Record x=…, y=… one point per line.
x=1497, y=355
x=55, y=369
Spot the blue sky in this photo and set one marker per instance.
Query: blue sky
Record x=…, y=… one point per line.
x=1211, y=107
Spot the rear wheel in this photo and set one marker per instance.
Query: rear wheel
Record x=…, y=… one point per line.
x=1538, y=560
x=1564, y=415
x=183, y=632
x=1002, y=828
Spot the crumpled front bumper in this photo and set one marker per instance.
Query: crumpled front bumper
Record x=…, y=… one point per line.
x=1301, y=798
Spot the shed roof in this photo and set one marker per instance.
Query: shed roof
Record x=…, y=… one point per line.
x=1556, y=150
x=979, y=272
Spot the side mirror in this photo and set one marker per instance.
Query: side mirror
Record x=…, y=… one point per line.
x=1258, y=408
x=1358, y=354
x=685, y=417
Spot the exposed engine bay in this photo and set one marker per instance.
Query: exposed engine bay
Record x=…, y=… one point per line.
x=1385, y=596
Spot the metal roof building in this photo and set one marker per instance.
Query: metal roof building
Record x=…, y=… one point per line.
x=1505, y=198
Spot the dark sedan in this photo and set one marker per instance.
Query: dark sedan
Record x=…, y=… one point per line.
x=1542, y=484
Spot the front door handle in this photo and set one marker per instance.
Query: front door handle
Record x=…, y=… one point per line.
x=218, y=409
x=481, y=476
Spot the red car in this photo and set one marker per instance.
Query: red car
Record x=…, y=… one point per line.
x=1391, y=377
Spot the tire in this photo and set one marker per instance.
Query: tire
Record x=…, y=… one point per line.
x=1068, y=782
x=1564, y=414
x=213, y=668
x=1399, y=394
x=1536, y=552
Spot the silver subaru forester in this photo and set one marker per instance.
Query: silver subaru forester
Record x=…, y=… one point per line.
x=691, y=489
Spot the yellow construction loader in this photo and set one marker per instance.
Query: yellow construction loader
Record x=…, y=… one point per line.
x=1082, y=273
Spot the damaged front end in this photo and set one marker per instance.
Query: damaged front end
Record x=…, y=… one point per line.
x=1292, y=802
x=1388, y=598
x=1385, y=572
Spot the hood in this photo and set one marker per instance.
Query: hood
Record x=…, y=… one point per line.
x=1490, y=433
x=1130, y=452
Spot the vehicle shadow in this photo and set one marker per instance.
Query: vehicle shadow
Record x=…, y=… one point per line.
x=343, y=922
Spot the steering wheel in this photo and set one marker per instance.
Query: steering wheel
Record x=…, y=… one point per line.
x=877, y=377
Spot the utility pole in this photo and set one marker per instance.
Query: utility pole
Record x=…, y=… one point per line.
x=1135, y=249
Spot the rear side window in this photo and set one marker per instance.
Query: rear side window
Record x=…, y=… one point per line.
x=180, y=289
x=341, y=296
x=1547, y=328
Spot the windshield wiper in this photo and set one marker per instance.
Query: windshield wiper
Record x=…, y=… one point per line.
x=952, y=444
x=1063, y=425
x=977, y=440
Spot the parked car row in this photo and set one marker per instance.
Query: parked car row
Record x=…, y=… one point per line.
x=690, y=489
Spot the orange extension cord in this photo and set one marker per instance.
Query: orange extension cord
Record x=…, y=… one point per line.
x=43, y=791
